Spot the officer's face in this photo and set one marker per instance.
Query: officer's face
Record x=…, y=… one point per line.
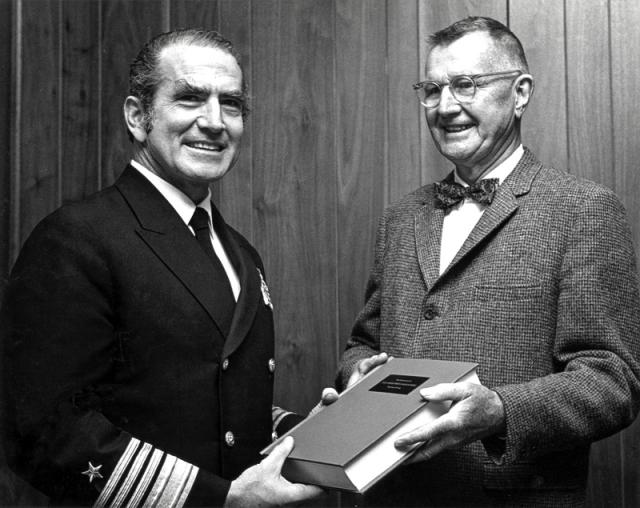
x=196, y=118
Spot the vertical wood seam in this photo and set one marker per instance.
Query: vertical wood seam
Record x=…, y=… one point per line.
x=60, y=105
x=567, y=106
x=612, y=154
x=337, y=186
x=16, y=135
x=99, y=117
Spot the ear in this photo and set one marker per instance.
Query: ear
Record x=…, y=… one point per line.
x=524, y=90
x=134, y=116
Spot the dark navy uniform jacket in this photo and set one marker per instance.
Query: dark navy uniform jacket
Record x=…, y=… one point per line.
x=122, y=388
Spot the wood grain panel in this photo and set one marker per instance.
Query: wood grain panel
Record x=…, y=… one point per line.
x=39, y=105
x=589, y=91
x=6, y=112
x=295, y=190
x=625, y=65
x=544, y=128
x=127, y=26
x=591, y=156
x=80, y=121
x=404, y=111
x=236, y=188
x=194, y=14
x=435, y=15
x=361, y=109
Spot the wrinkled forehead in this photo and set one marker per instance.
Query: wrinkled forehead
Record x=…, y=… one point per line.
x=191, y=62
x=473, y=53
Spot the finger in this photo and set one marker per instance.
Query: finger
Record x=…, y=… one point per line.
x=329, y=396
x=430, y=432
x=278, y=455
x=447, y=391
x=366, y=365
x=428, y=451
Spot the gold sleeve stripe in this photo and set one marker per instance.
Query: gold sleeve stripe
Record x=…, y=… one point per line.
x=147, y=476
x=114, y=479
x=187, y=487
x=177, y=485
x=163, y=477
x=144, y=483
x=131, y=478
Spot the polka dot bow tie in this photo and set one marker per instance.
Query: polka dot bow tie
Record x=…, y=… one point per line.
x=450, y=194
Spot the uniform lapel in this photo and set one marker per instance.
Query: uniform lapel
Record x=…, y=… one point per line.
x=169, y=238
x=249, y=298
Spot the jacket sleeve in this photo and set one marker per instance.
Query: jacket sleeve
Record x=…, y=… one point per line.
x=59, y=327
x=595, y=391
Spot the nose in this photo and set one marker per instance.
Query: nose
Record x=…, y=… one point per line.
x=449, y=105
x=210, y=117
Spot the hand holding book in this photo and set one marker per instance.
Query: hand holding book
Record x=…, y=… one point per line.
x=476, y=413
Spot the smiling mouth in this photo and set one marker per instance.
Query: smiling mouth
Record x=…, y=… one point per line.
x=452, y=129
x=207, y=146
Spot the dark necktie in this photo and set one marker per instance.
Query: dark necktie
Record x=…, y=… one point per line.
x=200, y=224
x=449, y=194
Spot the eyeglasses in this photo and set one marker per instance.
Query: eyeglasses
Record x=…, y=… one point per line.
x=462, y=87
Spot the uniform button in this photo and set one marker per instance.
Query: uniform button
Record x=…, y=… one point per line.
x=430, y=312
x=274, y=435
x=229, y=438
x=225, y=364
x=272, y=365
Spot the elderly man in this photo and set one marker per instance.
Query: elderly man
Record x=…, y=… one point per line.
x=522, y=268
x=138, y=325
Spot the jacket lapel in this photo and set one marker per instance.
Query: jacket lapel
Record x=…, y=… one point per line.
x=428, y=231
x=169, y=238
x=503, y=207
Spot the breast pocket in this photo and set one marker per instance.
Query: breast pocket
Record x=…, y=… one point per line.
x=507, y=292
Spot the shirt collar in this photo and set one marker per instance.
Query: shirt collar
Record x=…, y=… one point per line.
x=501, y=171
x=180, y=202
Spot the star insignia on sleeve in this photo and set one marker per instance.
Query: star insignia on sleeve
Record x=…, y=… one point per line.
x=93, y=472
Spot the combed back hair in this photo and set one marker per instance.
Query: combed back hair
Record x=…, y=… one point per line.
x=144, y=77
x=496, y=30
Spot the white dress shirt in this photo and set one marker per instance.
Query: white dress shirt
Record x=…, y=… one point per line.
x=462, y=218
x=185, y=208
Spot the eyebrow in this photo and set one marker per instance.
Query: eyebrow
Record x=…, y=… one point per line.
x=182, y=86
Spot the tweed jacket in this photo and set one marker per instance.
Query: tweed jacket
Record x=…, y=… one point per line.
x=116, y=363
x=543, y=295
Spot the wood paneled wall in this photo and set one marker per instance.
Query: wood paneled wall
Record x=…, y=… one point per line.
x=334, y=136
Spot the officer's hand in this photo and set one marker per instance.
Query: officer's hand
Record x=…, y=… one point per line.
x=263, y=485
x=477, y=412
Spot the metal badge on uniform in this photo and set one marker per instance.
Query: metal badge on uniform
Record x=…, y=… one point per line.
x=265, y=290
x=93, y=472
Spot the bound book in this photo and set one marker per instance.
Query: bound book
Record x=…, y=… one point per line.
x=349, y=444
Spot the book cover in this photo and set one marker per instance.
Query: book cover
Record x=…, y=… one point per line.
x=349, y=444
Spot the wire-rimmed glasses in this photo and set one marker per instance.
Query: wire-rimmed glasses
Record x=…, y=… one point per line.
x=463, y=87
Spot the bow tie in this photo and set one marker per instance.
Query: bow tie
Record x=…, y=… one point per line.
x=450, y=194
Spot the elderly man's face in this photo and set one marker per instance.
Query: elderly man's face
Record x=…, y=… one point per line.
x=196, y=118
x=473, y=135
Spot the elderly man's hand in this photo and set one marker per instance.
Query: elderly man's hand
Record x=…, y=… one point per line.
x=330, y=395
x=365, y=366
x=477, y=412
